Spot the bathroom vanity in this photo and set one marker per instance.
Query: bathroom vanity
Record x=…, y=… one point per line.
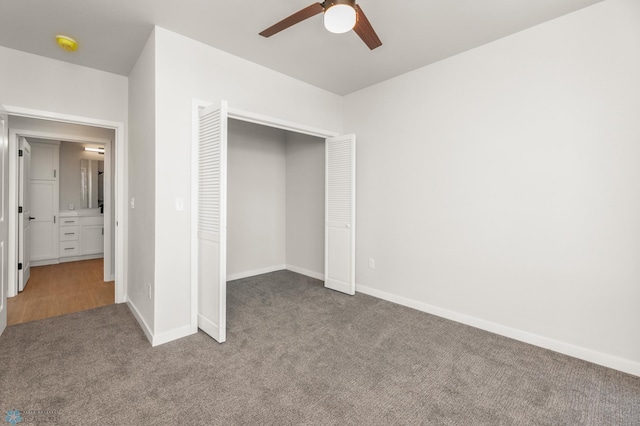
x=81, y=235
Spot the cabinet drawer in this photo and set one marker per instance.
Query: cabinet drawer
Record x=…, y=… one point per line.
x=68, y=221
x=69, y=233
x=68, y=248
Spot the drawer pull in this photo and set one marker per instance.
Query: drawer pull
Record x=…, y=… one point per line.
x=68, y=221
x=69, y=233
x=69, y=248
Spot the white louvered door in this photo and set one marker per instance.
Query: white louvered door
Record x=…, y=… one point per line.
x=340, y=210
x=212, y=221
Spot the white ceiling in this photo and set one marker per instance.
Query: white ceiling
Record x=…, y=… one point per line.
x=414, y=33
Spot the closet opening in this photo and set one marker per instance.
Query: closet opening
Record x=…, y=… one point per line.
x=267, y=195
x=275, y=201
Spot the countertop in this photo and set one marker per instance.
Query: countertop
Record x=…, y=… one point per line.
x=80, y=212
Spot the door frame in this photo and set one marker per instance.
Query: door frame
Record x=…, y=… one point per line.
x=23, y=218
x=117, y=148
x=14, y=135
x=241, y=115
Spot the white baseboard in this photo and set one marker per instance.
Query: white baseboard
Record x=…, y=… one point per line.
x=306, y=272
x=247, y=274
x=585, y=354
x=161, y=338
x=175, y=334
x=212, y=329
x=143, y=324
x=78, y=258
x=44, y=262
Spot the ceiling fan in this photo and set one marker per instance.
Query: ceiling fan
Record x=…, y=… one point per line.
x=340, y=16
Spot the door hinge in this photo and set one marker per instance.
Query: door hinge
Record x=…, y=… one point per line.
x=19, y=153
x=20, y=209
x=19, y=266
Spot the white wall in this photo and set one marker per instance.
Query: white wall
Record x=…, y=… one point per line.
x=44, y=84
x=142, y=186
x=40, y=83
x=256, y=199
x=500, y=187
x=305, y=203
x=188, y=70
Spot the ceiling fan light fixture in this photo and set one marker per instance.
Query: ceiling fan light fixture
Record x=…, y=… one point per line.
x=339, y=16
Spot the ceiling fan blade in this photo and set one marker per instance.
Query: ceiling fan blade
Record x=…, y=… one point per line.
x=364, y=29
x=299, y=16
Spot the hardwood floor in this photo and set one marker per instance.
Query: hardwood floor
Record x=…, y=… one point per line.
x=61, y=289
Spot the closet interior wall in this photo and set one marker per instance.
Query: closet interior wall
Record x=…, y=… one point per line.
x=275, y=201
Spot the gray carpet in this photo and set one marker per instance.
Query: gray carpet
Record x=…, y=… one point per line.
x=299, y=354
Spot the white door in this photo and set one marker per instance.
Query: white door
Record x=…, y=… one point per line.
x=212, y=221
x=340, y=214
x=4, y=218
x=24, y=213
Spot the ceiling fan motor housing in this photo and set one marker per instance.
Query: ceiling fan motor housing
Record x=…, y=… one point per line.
x=329, y=3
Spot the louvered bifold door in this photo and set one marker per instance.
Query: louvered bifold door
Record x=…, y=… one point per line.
x=212, y=221
x=340, y=214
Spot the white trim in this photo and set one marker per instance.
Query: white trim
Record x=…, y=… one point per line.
x=212, y=329
x=172, y=335
x=121, y=179
x=253, y=273
x=143, y=325
x=78, y=258
x=306, y=272
x=162, y=338
x=585, y=354
x=54, y=139
x=264, y=120
x=196, y=106
x=43, y=263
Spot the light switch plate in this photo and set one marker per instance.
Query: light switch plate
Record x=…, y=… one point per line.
x=179, y=204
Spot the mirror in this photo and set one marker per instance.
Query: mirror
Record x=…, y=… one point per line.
x=91, y=184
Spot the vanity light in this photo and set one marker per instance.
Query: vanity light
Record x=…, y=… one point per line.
x=98, y=150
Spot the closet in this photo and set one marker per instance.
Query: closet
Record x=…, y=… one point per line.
x=270, y=195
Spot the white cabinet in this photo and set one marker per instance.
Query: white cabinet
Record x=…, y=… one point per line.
x=44, y=160
x=69, y=240
x=81, y=237
x=92, y=235
x=44, y=201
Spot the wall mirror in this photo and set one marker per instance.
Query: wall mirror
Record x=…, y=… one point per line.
x=92, y=185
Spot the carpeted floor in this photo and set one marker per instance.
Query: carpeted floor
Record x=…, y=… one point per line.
x=299, y=354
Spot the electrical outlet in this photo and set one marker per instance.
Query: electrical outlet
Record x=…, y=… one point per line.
x=372, y=263
x=133, y=203
x=149, y=287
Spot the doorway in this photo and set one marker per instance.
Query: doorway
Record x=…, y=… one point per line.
x=114, y=215
x=64, y=170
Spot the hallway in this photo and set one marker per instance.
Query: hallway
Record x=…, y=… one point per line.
x=60, y=289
